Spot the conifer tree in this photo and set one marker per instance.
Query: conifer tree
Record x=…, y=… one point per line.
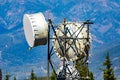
x=33, y=77
x=52, y=76
x=108, y=72
x=36, y=78
x=15, y=78
x=91, y=75
x=7, y=76
x=80, y=66
x=0, y=74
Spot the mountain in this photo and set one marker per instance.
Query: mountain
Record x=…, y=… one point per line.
x=99, y=56
x=18, y=60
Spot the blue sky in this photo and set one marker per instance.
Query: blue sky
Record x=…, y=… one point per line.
x=14, y=54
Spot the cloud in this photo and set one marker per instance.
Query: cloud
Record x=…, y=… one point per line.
x=17, y=36
x=21, y=1
x=9, y=13
x=2, y=2
x=116, y=68
x=116, y=4
x=3, y=22
x=97, y=40
x=116, y=58
x=75, y=11
x=105, y=28
x=118, y=31
x=0, y=54
x=118, y=77
x=12, y=16
x=48, y=14
x=43, y=69
x=98, y=76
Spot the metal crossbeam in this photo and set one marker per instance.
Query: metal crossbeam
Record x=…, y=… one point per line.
x=66, y=39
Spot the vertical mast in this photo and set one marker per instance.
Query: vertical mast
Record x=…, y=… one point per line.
x=87, y=48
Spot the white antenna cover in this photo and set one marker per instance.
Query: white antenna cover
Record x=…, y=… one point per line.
x=75, y=49
x=35, y=29
x=71, y=72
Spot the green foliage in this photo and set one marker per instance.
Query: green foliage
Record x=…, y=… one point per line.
x=52, y=76
x=108, y=72
x=15, y=78
x=33, y=77
x=91, y=75
x=80, y=66
x=42, y=78
x=7, y=76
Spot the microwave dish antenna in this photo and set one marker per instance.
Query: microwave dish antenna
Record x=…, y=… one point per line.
x=76, y=39
x=35, y=29
x=70, y=41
